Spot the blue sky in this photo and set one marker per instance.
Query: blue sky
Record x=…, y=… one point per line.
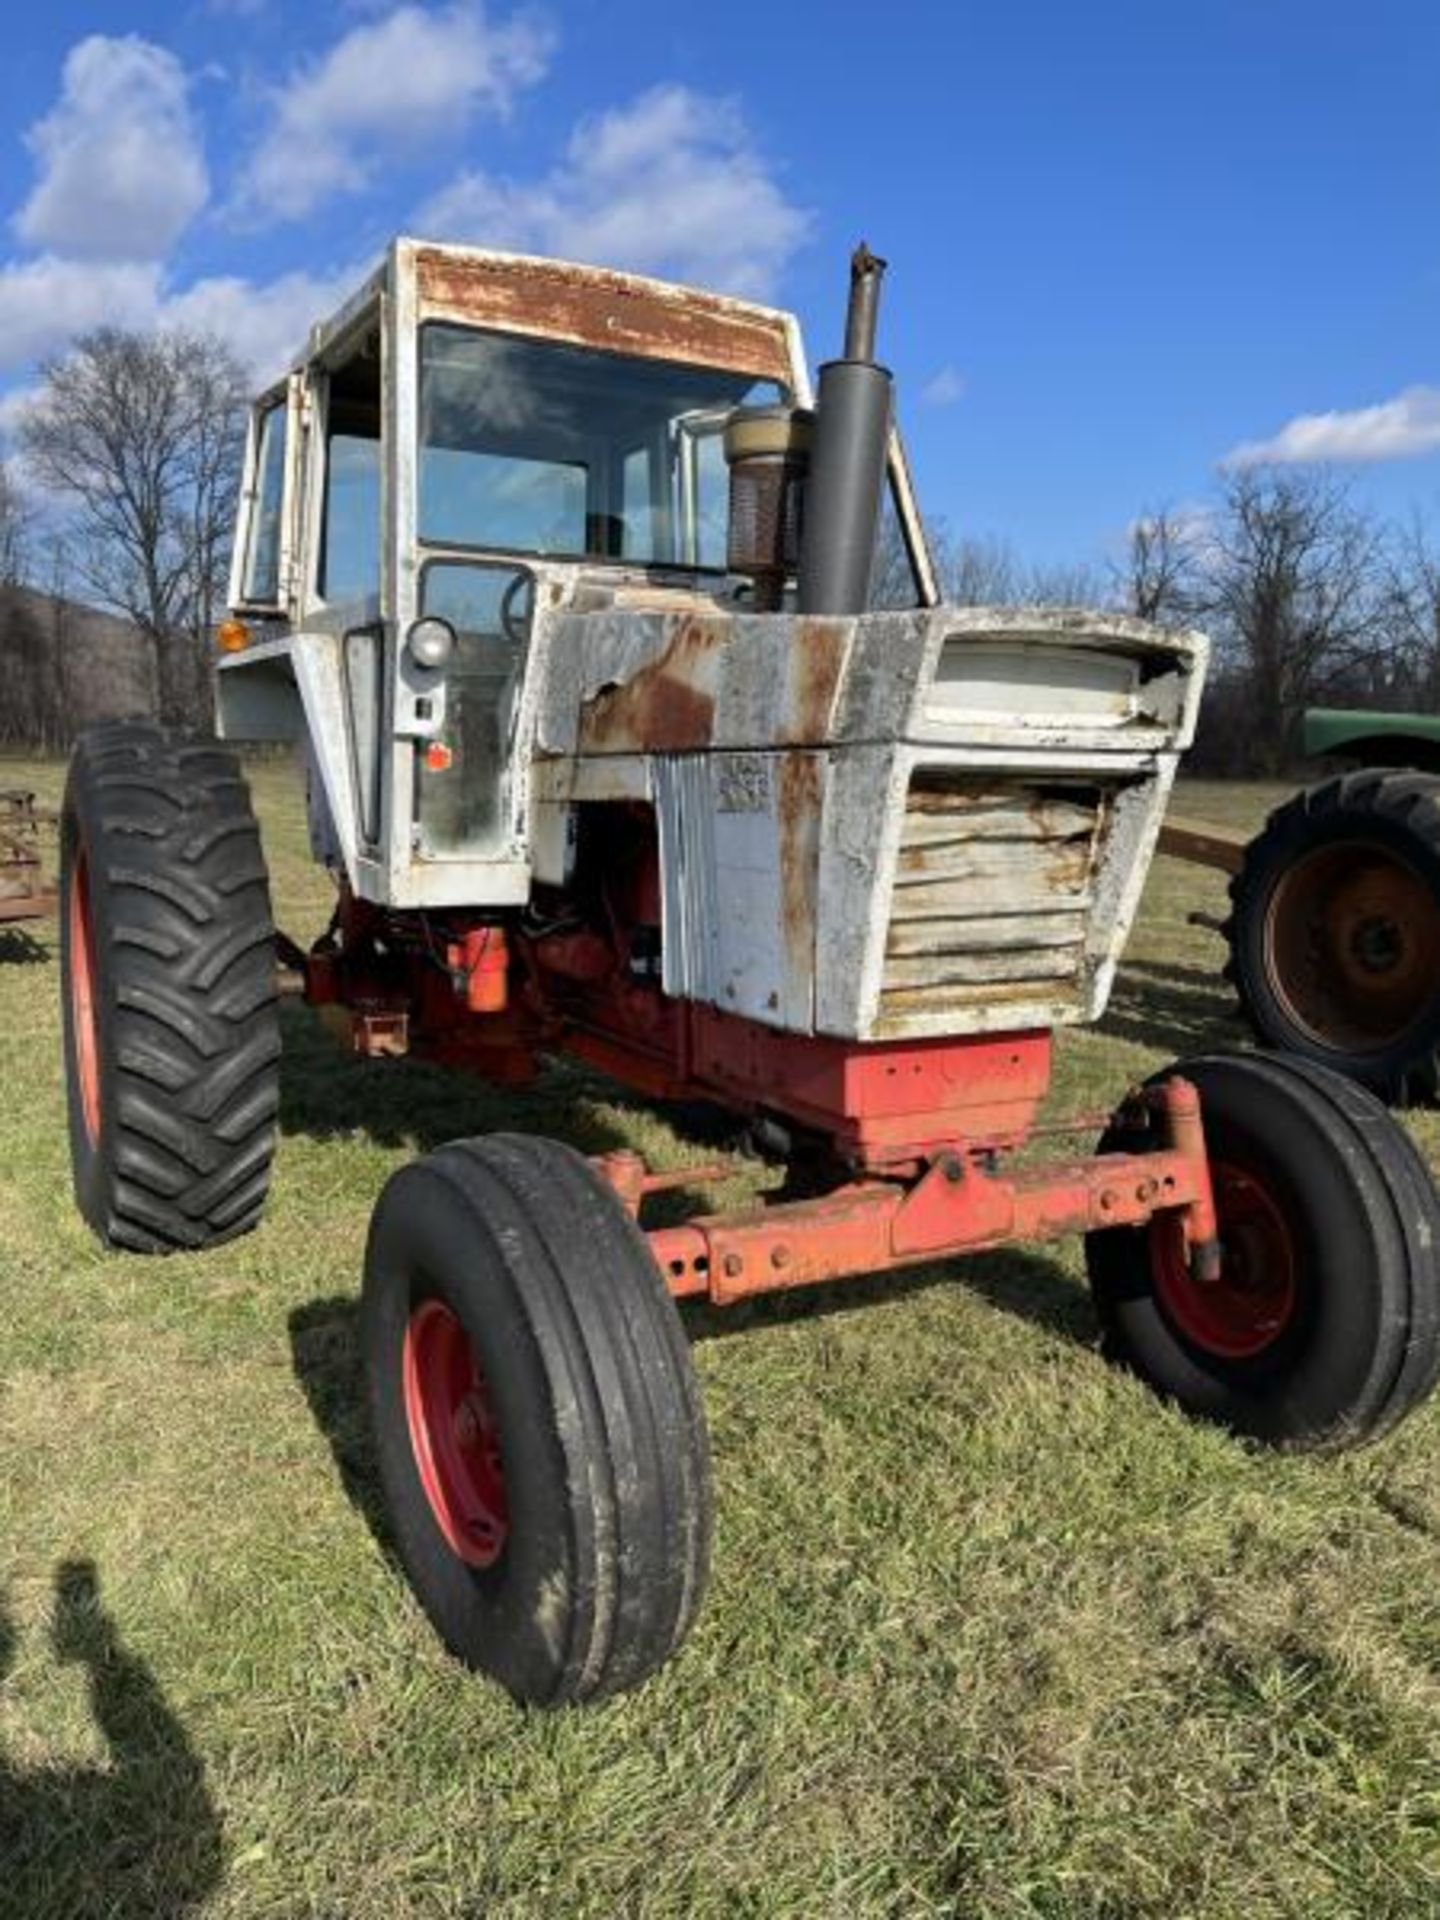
x=1126, y=240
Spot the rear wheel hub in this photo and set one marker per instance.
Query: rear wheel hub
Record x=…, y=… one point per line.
x=1352, y=945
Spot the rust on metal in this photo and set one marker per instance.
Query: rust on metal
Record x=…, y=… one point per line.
x=992, y=888
x=1352, y=944
x=597, y=307
x=798, y=798
x=815, y=662
x=666, y=706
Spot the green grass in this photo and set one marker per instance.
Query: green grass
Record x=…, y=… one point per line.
x=990, y=1633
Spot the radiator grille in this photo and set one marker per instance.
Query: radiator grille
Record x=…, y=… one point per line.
x=992, y=892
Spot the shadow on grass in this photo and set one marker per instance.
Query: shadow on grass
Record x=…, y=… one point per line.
x=328, y=1093
x=21, y=949
x=1177, y=1009
x=325, y=1353
x=139, y=1837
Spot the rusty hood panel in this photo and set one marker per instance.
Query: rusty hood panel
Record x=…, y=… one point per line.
x=865, y=830
x=625, y=683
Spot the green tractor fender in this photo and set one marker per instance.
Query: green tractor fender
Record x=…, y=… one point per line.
x=1374, y=739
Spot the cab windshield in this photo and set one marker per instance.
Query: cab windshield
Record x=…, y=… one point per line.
x=531, y=446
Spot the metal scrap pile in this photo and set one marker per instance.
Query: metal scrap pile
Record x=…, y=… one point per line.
x=26, y=891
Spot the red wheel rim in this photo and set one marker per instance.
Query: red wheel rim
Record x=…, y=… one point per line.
x=82, y=997
x=454, y=1434
x=1254, y=1300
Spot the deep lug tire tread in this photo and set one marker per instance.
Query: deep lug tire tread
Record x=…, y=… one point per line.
x=186, y=1010
x=560, y=1294
x=1398, y=806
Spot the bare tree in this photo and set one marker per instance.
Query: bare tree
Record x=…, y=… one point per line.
x=140, y=434
x=977, y=571
x=15, y=527
x=1062, y=583
x=1411, y=608
x=1294, y=579
x=1159, y=578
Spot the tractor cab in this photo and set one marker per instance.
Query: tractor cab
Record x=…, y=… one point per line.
x=474, y=437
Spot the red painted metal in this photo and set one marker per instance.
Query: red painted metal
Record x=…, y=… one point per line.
x=918, y=1126
x=81, y=932
x=957, y=1206
x=481, y=960
x=1253, y=1296
x=1179, y=1102
x=628, y=1174
x=885, y=1105
x=454, y=1435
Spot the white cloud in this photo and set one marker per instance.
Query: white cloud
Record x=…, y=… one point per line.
x=264, y=324
x=944, y=389
x=1393, y=430
x=44, y=302
x=670, y=184
x=387, y=86
x=121, y=167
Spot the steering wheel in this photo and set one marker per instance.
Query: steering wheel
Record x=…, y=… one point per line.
x=513, y=623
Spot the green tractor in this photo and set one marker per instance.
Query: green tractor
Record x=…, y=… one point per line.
x=1335, y=929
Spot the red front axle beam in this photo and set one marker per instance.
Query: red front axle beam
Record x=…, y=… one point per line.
x=956, y=1206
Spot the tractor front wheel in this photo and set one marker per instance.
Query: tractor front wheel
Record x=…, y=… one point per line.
x=1323, y=1326
x=541, y=1442
x=172, y=1044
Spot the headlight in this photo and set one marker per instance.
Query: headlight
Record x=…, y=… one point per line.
x=431, y=642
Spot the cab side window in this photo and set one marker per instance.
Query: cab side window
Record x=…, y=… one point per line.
x=262, y=559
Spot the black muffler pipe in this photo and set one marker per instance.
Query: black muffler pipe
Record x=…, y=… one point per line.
x=853, y=410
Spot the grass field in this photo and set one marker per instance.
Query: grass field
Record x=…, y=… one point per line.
x=990, y=1633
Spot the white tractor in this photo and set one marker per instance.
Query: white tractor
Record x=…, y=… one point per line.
x=566, y=586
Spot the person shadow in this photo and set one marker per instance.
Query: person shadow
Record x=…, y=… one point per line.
x=21, y=949
x=136, y=1838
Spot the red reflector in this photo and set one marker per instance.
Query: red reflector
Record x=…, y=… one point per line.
x=438, y=757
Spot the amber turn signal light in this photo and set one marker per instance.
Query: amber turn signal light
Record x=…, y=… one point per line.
x=232, y=636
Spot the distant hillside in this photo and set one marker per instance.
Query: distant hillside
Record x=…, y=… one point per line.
x=64, y=666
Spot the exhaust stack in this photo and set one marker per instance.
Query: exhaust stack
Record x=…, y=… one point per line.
x=853, y=412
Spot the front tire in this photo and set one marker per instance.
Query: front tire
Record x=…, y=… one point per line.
x=539, y=1431
x=172, y=1041
x=1323, y=1329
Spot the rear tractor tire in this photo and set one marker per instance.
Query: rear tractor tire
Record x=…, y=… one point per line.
x=167, y=946
x=1335, y=930
x=538, y=1426
x=1323, y=1328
